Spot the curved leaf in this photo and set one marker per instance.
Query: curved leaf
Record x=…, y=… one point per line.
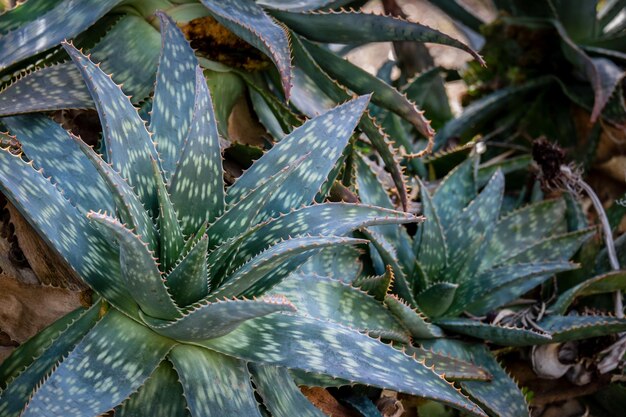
x=188, y=280
x=501, y=335
x=412, y=319
x=609, y=282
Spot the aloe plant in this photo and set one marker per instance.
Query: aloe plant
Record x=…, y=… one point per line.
x=182, y=322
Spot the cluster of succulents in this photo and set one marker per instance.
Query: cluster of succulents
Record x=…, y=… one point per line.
x=339, y=254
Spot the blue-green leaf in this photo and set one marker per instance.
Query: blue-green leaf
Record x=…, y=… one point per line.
x=572, y=327
x=341, y=263
x=600, y=284
x=437, y=298
x=411, y=318
x=188, y=280
x=431, y=249
x=198, y=177
x=501, y=335
x=455, y=192
x=214, y=385
x=555, y=248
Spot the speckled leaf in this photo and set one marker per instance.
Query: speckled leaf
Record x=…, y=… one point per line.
x=198, y=176
x=46, y=142
x=486, y=170
x=170, y=232
x=251, y=209
x=51, y=28
x=22, y=13
x=160, y=396
x=14, y=398
x=129, y=208
x=230, y=392
x=501, y=396
x=77, y=241
x=437, y=298
x=455, y=192
x=431, y=250
x=377, y=286
x=496, y=287
x=303, y=5
x=207, y=320
x=566, y=328
x=362, y=82
x=340, y=262
x=357, y=27
x=609, y=282
x=501, y=335
x=411, y=318
x=174, y=94
x=188, y=280
x=322, y=219
x=128, y=143
x=108, y=365
x=555, y=248
x=521, y=229
x=280, y=394
x=448, y=366
x=324, y=137
x=323, y=347
x=329, y=299
x=140, y=272
x=248, y=21
x=471, y=228
x=269, y=266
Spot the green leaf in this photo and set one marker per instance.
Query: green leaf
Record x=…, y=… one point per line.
x=448, y=366
x=501, y=396
x=377, y=286
x=600, y=284
x=459, y=13
x=229, y=392
x=140, y=272
x=128, y=143
x=432, y=250
x=47, y=143
x=77, y=241
x=341, y=263
x=269, y=267
x=330, y=299
x=49, y=29
x=248, y=21
x=280, y=394
x=304, y=5
x=437, y=298
x=27, y=372
x=337, y=351
x=358, y=27
x=566, y=328
x=229, y=87
x=362, y=82
x=188, y=280
x=23, y=13
x=198, y=176
x=411, y=318
x=556, y=248
x=175, y=93
x=427, y=91
x=208, y=320
x=454, y=193
x=486, y=170
x=108, y=365
x=160, y=396
x=324, y=137
x=501, y=335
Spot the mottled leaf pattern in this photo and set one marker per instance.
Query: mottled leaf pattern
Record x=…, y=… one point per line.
x=566, y=328
x=432, y=254
x=455, y=192
x=188, y=280
x=501, y=335
x=415, y=322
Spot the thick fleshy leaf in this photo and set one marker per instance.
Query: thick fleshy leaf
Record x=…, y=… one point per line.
x=140, y=272
x=267, y=268
x=437, y=298
x=377, y=286
x=521, y=229
x=160, y=396
x=198, y=176
x=357, y=27
x=325, y=348
x=108, y=365
x=432, y=250
x=128, y=144
x=501, y=395
x=501, y=335
x=552, y=249
x=29, y=371
x=280, y=394
x=174, y=94
x=303, y=5
x=411, y=318
x=129, y=209
x=229, y=391
x=49, y=29
x=566, y=328
x=77, y=241
x=600, y=284
x=248, y=21
x=323, y=137
x=447, y=365
x=341, y=263
x=208, y=320
x=362, y=82
x=330, y=299
x=47, y=143
x=486, y=170
x=496, y=287
x=188, y=280
x=229, y=87
x=455, y=192
x=23, y=13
